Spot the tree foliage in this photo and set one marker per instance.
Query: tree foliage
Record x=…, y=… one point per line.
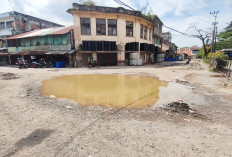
x=89, y=3
x=225, y=38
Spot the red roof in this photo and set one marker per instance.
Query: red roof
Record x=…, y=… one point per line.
x=195, y=48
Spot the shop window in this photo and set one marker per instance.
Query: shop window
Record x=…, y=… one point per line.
x=145, y=33
x=2, y=25
x=85, y=26
x=112, y=27
x=101, y=26
x=129, y=29
x=158, y=41
x=9, y=24
x=141, y=31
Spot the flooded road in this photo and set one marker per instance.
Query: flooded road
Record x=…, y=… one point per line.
x=119, y=91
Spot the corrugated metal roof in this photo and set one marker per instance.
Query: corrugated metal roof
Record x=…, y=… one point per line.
x=32, y=53
x=43, y=32
x=63, y=31
x=3, y=54
x=56, y=52
x=71, y=51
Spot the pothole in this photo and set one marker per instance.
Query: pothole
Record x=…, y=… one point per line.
x=115, y=91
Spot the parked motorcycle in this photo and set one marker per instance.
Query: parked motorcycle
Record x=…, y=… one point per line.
x=92, y=63
x=38, y=64
x=22, y=64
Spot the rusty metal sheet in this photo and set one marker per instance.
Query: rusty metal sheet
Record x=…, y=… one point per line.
x=43, y=32
x=56, y=52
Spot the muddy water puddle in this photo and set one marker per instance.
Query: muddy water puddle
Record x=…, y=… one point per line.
x=119, y=91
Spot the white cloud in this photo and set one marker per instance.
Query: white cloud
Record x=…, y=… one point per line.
x=178, y=14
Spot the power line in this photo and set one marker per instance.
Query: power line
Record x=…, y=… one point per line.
x=18, y=6
x=11, y=5
x=178, y=31
x=122, y=3
x=174, y=6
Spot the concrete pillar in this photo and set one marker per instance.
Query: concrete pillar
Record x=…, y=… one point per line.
x=71, y=60
x=94, y=55
x=121, y=54
x=9, y=60
x=145, y=60
x=78, y=60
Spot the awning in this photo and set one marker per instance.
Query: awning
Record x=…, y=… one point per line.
x=36, y=53
x=4, y=54
x=60, y=52
x=71, y=51
x=56, y=52
x=31, y=53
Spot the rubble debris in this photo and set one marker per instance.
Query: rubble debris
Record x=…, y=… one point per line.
x=225, y=84
x=195, y=66
x=183, y=108
x=179, y=107
x=8, y=76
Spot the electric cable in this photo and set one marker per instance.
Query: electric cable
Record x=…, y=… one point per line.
x=18, y=6
x=122, y=3
x=11, y=5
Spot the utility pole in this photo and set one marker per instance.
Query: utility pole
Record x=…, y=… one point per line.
x=215, y=39
x=214, y=27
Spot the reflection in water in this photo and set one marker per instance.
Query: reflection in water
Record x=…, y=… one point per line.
x=118, y=91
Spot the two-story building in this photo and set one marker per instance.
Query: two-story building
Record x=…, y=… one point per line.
x=54, y=44
x=12, y=23
x=110, y=34
x=168, y=47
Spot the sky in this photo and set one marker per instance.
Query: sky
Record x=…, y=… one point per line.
x=180, y=15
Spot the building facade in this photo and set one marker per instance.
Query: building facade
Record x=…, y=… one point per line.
x=12, y=23
x=168, y=47
x=54, y=44
x=109, y=35
x=167, y=36
x=188, y=51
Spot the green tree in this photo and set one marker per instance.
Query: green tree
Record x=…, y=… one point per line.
x=225, y=38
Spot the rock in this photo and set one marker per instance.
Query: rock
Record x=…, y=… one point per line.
x=68, y=107
x=168, y=113
x=52, y=96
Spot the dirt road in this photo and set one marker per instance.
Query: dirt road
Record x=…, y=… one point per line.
x=33, y=125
